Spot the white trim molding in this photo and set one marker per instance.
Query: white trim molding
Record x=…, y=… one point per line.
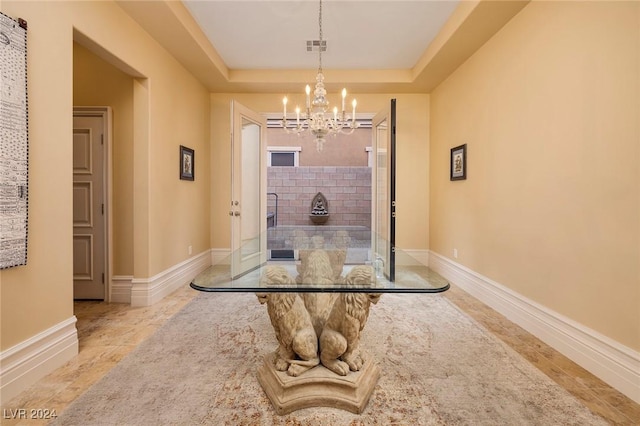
x=221, y=256
x=25, y=363
x=147, y=291
x=411, y=256
x=614, y=363
x=121, y=288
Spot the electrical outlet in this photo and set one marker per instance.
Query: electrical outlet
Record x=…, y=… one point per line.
x=190, y=249
x=455, y=253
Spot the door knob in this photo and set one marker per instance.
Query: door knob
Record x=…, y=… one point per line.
x=236, y=213
x=230, y=212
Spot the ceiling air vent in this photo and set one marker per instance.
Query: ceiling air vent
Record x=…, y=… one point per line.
x=314, y=45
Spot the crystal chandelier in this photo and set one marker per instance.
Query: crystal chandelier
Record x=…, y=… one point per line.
x=316, y=118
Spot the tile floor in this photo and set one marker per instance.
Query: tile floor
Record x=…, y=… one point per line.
x=107, y=332
x=599, y=397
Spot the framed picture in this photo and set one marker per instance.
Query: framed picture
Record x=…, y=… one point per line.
x=187, y=163
x=458, y=163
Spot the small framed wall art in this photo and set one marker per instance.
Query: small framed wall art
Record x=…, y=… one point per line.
x=187, y=163
x=458, y=163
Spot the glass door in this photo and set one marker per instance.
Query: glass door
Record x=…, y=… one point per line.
x=384, y=191
x=248, y=188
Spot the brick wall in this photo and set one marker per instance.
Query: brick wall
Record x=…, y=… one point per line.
x=347, y=190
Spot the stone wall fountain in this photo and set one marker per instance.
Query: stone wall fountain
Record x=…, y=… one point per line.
x=319, y=210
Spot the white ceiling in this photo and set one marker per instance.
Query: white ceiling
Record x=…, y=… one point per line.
x=360, y=34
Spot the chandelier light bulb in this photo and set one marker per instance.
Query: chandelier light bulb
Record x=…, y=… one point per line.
x=344, y=96
x=353, y=117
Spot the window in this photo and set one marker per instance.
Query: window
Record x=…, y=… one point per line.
x=283, y=156
x=283, y=159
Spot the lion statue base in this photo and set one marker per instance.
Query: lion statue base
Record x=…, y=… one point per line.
x=297, y=340
x=318, y=334
x=318, y=387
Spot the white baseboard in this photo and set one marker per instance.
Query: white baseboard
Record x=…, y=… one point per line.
x=220, y=255
x=121, y=289
x=25, y=363
x=614, y=363
x=411, y=256
x=147, y=291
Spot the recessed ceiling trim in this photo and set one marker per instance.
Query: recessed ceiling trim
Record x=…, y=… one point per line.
x=171, y=24
x=381, y=34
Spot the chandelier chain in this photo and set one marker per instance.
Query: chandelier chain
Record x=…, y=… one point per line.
x=320, y=47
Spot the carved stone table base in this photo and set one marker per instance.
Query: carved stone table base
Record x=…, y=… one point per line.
x=318, y=387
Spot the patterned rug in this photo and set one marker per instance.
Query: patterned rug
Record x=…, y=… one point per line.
x=438, y=367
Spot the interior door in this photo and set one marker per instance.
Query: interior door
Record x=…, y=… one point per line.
x=249, y=190
x=384, y=191
x=89, y=246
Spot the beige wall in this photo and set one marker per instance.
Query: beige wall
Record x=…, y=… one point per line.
x=549, y=109
x=413, y=160
x=169, y=214
x=338, y=150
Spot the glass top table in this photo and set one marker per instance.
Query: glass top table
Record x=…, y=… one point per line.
x=318, y=259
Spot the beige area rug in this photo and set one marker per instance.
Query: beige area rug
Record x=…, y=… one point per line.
x=438, y=367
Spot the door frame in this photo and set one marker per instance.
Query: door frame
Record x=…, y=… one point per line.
x=105, y=113
x=387, y=114
x=240, y=266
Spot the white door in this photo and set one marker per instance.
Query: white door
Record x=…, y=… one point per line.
x=89, y=243
x=383, y=191
x=249, y=189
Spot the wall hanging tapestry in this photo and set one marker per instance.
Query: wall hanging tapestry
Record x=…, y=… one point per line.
x=14, y=148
